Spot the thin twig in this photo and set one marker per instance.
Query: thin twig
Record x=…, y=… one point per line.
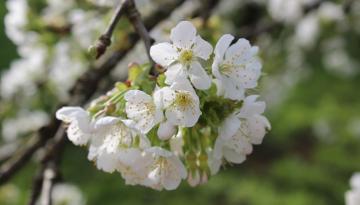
x=104, y=40
x=21, y=157
x=135, y=18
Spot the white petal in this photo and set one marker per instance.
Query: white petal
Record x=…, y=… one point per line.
x=107, y=162
x=106, y=121
x=187, y=117
x=352, y=197
x=158, y=98
x=183, y=35
x=198, y=76
x=221, y=46
x=93, y=152
x=229, y=127
x=251, y=107
x=174, y=73
x=67, y=114
x=220, y=91
x=173, y=173
x=249, y=75
x=141, y=109
x=218, y=148
x=137, y=96
x=163, y=54
x=77, y=135
x=166, y=130
x=240, y=143
x=176, y=144
x=183, y=85
x=202, y=48
x=168, y=96
x=179, y=166
x=257, y=129
x=158, y=151
x=239, y=53
x=214, y=164
x=234, y=157
x=355, y=181
x=232, y=91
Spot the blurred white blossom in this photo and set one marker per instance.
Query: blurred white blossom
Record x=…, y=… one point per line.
x=352, y=197
x=67, y=194
x=23, y=123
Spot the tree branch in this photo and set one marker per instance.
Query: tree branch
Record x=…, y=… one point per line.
x=135, y=18
x=104, y=40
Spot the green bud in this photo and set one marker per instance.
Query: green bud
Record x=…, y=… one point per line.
x=92, y=50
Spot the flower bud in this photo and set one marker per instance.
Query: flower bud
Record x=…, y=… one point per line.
x=166, y=130
x=193, y=178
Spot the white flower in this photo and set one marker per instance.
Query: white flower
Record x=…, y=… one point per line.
x=131, y=166
x=16, y=20
x=307, y=30
x=80, y=129
x=165, y=170
x=240, y=130
x=352, y=197
x=181, y=104
x=142, y=109
x=181, y=58
x=86, y=26
x=285, y=10
x=253, y=123
x=330, y=11
x=233, y=149
x=112, y=137
x=67, y=194
x=23, y=123
x=235, y=67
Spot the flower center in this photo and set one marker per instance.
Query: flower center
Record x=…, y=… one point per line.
x=225, y=69
x=183, y=100
x=150, y=108
x=186, y=57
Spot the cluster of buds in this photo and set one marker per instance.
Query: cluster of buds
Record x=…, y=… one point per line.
x=182, y=124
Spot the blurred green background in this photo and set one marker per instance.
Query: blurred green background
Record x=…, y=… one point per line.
x=307, y=158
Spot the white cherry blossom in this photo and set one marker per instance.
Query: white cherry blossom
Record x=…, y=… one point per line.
x=182, y=57
x=240, y=130
x=181, y=104
x=253, y=123
x=165, y=169
x=66, y=194
x=233, y=149
x=80, y=128
x=113, y=137
x=235, y=67
x=143, y=110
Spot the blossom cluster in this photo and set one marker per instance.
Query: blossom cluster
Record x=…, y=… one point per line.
x=182, y=124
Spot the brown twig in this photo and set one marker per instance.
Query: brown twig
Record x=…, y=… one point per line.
x=104, y=40
x=135, y=19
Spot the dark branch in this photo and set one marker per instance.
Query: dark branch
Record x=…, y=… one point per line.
x=135, y=18
x=104, y=40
